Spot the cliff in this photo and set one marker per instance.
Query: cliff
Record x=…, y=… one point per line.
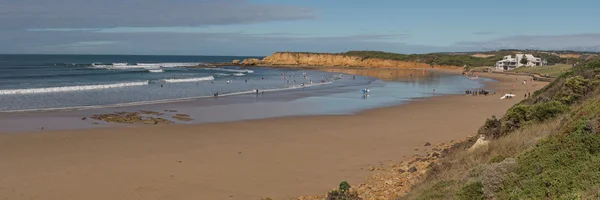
x=291, y=59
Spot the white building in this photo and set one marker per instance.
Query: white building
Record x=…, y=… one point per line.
x=509, y=63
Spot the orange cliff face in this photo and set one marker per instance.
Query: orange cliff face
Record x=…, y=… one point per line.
x=290, y=59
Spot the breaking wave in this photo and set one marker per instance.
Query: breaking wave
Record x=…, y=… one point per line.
x=71, y=88
x=143, y=65
x=231, y=70
x=184, y=80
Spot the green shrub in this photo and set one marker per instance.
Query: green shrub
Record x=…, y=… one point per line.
x=494, y=176
x=497, y=159
x=547, y=110
x=440, y=190
x=344, y=186
x=343, y=193
x=491, y=128
x=472, y=191
x=515, y=117
x=574, y=89
x=560, y=167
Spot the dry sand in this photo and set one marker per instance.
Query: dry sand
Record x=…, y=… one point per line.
x=279, y=158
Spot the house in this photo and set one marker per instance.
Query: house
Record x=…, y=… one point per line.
x=509, y=63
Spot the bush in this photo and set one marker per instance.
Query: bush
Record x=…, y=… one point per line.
x=515, y=117
x=574, y=89
x=472, y=191
x=440, y=190
x=497, y=159
x=491, y=128
x=562, y=166
x=343, y=193
x=494, y=176
x=547, y=110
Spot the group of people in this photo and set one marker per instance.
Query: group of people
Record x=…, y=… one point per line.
x=477, y=92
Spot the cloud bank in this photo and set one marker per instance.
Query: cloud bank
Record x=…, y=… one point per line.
x=588, y=41
x=40, y=14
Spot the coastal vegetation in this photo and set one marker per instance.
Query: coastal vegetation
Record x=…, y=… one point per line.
x=545, y=147
x=456, y=59
x=552, y=71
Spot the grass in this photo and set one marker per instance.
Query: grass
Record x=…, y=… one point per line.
x=460, y=168
x=552, y=70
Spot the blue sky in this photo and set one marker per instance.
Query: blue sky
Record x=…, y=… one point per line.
x=260, y=27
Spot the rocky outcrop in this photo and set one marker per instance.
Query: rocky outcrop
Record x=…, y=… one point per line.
x=251, y=61
x=396, y=180
x=291, y=59
x=236, y=62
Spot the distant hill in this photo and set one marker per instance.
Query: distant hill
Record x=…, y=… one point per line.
x=473, y=59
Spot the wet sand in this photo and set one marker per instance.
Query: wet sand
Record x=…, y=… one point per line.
x=280, y=158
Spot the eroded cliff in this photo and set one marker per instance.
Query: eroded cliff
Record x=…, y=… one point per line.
x=291, y=59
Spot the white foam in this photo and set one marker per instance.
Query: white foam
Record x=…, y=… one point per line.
x=169, y=64
x=156, y=70
x=144, y=65
x=184, y=80
x=239, y=74
x=231, y=70
x=222, y=74
x=71, y=88
x=167, y=100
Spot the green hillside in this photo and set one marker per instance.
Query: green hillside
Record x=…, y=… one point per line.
x=545, y=147
x=455, y=59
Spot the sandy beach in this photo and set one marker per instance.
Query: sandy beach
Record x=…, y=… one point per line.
x=280, y=158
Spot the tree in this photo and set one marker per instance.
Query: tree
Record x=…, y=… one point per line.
x=524, y=60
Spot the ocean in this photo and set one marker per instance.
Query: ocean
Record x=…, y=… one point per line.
x=47, y=82
x=59, y=82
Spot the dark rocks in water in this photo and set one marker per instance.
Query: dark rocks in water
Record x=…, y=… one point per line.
x=183, y=117
x=84, y=118
x=147, y=112
x=130, y=118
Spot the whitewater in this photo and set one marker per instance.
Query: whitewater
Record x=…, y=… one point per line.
x=71, y=88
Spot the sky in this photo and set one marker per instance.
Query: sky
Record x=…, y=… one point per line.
x=261, y=27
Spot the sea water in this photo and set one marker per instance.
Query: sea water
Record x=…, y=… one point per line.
x=49, y=82
x=45, y=82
